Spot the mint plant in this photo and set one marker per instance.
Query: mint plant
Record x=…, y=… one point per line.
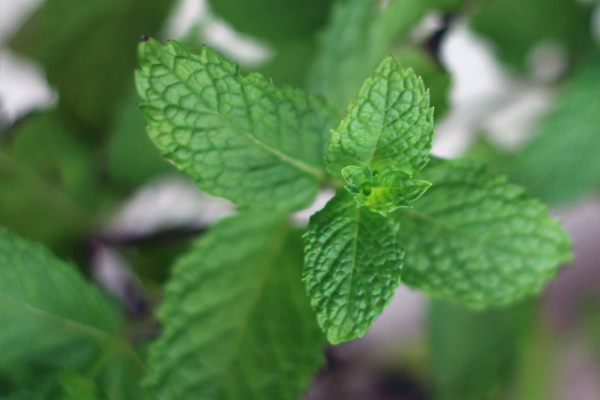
x=237, y=321
x=93, y=306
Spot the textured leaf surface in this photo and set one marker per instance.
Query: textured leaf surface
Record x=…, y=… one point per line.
x=352, y=266
x=477, y=240
x=474, y=353
x=383, y=192
x=237, y=321
x=87, y=49
x=389, y=123
x=562, y=162
x=238, y=137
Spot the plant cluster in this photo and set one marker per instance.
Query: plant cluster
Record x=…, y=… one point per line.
x=249, y=306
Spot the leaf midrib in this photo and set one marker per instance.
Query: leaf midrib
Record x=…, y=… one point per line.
x=87, y=330
x=272, y=256
x=411, y=212
x=319, y=174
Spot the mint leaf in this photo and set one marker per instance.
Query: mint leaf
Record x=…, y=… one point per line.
x=474, y=353
x=389, y=124
x=52, y=316
x=46, y=304
x=237, y=137
x=477, y=240
x=49, y=312
x=352, y=266
x=237, y=321
x=383, y=192
x=562, y=162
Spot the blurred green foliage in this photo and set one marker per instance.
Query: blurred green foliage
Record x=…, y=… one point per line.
x=47, y=178
x=88, y=50
x=562, y=161
x=64, y=171
x=474, y=353
x=516, y=27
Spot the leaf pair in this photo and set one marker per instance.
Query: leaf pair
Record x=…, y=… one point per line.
x=237, y=137
x=353, y=259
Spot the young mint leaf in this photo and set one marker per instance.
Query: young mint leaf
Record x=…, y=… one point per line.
x=383, y=192
x=49, y=313
x=352, y=266
x=237, y=321
x=389, y=124
x=477, y=240
x=237, y=137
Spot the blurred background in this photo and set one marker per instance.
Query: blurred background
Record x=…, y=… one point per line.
x=515, y=84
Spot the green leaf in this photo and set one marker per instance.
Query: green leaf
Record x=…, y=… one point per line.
x=389, y=124
x=88, y=50
x=237, y=137
x=477, y=240
x=383, y=192
x=50, y=314
x=237, y=321
x=562, y=162
x=474, y=353
x=517, y=26
x=352, y=266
